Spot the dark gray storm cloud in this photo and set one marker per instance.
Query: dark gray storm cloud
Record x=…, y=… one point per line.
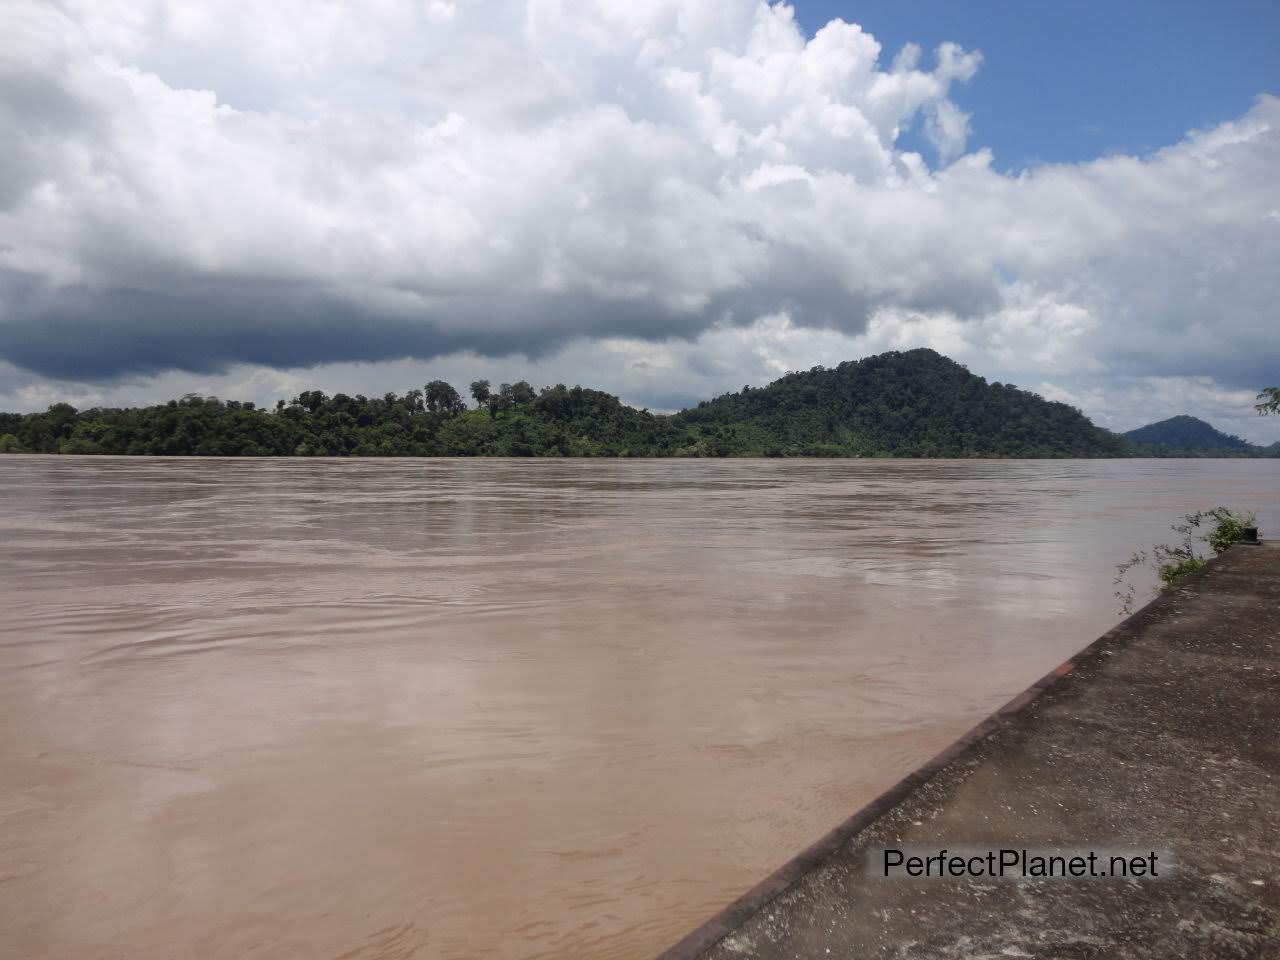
x=83, y=334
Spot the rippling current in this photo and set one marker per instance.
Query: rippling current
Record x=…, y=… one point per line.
x=517, y=709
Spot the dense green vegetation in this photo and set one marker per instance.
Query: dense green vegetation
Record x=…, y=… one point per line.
x=1188, y=437
x=913, y=404
x=517, y=421
x=909, y=404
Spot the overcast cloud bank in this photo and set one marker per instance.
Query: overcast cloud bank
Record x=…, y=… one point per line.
x=665, y=202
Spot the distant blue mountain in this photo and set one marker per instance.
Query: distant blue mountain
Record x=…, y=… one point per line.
x=1191, y=436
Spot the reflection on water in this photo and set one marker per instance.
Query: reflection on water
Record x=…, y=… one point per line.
x=385, y=709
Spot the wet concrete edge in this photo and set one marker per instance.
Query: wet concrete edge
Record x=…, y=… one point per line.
x=732, y=917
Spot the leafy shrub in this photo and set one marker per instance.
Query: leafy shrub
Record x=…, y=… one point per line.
x=1219, y=528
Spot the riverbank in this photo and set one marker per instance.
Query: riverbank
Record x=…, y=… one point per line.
x=1161, y=734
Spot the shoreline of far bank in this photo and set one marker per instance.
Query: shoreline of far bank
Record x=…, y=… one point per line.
x=485, y=457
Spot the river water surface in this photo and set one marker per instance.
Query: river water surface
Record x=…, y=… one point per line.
x=371, y=709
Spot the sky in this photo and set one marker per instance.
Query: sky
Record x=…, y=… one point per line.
x=666, y=200
x=1071, y=80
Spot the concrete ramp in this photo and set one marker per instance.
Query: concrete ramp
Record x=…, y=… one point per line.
x=1164, y=734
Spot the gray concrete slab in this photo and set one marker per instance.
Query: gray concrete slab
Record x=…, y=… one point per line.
x=1164, y=733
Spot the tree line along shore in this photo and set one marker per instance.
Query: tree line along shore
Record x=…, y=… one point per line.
x=915, y=403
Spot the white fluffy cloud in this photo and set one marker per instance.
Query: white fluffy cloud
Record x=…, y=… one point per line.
x=681, y=195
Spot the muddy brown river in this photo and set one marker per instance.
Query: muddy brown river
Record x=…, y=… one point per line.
x=324, y=709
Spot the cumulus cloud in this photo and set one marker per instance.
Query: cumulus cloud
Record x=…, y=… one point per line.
x=693, y=188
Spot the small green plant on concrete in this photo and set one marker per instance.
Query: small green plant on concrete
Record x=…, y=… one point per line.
x=1173, y=563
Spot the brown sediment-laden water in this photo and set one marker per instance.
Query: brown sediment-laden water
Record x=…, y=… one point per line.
x=490, y=708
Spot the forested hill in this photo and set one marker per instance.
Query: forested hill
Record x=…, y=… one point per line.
x=1188, y=436
x=912, y=404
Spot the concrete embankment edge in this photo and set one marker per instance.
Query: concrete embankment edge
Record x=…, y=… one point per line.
x=737, y=914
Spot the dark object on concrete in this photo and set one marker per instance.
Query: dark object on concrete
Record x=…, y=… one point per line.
x=1163, y=733
x=1249, y=536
